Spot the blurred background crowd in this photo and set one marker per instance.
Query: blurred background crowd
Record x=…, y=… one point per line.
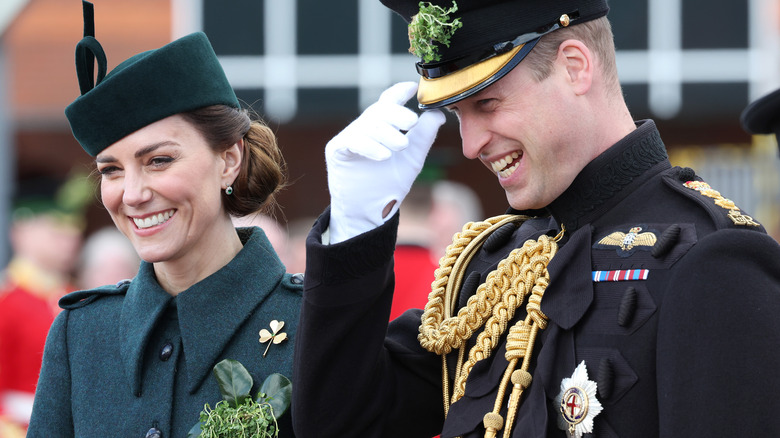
x=308, y=78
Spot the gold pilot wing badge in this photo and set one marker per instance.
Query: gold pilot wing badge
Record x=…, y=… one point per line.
x=626, y=243
x=577, y=403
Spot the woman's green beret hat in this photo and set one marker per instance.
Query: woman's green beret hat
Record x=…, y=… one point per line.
x=181, y=76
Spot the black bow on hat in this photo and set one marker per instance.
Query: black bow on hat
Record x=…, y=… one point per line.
x=181, y=76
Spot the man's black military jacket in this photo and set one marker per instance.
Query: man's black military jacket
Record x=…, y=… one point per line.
x=666, y=290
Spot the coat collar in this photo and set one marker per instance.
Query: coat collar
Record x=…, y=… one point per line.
x=611, y=177
x=209, y=312
x=603, y=183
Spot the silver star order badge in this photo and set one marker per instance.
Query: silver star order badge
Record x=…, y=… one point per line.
x=577, y=403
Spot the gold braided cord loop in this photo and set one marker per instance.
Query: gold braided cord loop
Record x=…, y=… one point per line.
x=523, y=274
x=520, y=345
x=535, y=301
x=441, y=338
x=524, y=270
x=440, y=333
x=521, y=378
x=517, y=340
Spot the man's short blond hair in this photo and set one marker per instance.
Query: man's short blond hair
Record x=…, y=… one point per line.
x=595, y=34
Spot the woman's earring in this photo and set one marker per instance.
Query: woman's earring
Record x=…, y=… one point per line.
x=229, y=190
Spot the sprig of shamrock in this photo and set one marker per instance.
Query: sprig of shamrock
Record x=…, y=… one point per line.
x=431, y=24
x=237, y=414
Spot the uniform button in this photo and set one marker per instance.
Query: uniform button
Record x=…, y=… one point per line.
x=154, y=433
x=297, y=279
x=166, y=352
x=627, y=308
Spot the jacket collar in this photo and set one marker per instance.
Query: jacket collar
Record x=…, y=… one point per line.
x=601, y=185
x=209, y=312
x=611, y=176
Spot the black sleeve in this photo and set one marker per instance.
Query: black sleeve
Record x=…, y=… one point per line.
x=719, y=333
x=354, y=376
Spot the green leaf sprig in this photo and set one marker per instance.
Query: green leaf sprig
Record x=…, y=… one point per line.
x=237, y=415
x=249, y=419
x=431, y=24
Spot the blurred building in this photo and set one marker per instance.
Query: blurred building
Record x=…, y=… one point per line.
x=309, y=67
x=38, y=75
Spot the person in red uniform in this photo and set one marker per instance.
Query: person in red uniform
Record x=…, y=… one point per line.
x=46, y=237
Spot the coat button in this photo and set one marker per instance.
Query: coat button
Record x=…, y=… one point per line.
x=166, y=352
x=297, y=278
x=154, y=433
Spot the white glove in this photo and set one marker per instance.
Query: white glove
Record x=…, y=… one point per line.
x=371, y=163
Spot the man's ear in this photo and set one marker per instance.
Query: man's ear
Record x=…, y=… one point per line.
x=577, y=60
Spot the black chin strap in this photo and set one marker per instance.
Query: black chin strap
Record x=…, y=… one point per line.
x=87, y=51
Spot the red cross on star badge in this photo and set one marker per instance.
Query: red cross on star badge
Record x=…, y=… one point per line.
x=577, y=403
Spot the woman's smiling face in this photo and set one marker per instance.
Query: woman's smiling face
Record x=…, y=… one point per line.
x=162, y=187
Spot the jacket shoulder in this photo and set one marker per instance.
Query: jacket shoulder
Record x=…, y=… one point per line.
x=79, y=299
x=723, y=211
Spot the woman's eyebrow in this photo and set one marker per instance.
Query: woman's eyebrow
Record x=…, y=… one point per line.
x=140, y=152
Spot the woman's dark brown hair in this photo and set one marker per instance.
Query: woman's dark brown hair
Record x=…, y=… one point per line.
x=263, y=169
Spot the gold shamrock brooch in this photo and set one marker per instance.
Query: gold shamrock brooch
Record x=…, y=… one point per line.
x=275, y=336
